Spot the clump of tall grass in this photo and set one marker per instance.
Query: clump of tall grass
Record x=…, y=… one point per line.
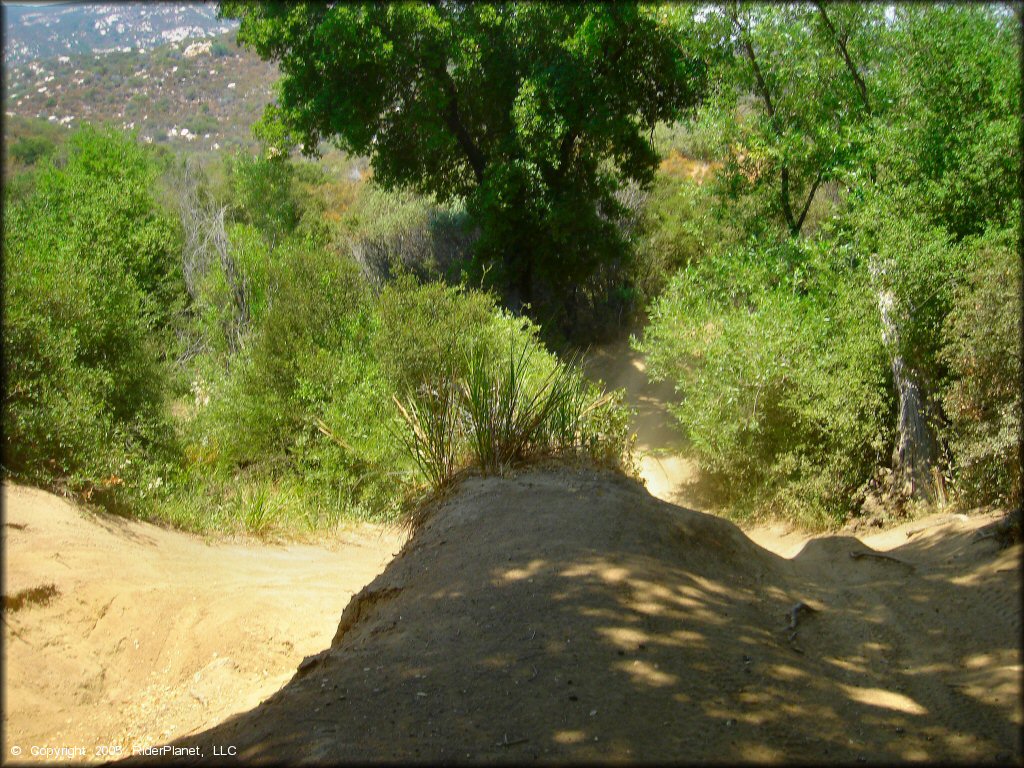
x=436, y=430
x=503, y=413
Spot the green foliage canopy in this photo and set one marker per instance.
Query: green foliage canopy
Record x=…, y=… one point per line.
x=789, y=101
x=533, y=113
x=910, y=118
x=947, y=137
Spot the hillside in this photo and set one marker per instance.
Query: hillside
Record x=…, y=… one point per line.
x=44, y=31
x=188, y=94
x=568, y=615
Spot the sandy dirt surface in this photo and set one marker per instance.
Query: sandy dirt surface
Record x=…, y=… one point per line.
x=133, y=635
x=665, y=470
x=567, y=615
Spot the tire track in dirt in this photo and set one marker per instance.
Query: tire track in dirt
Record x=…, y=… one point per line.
x=935, y=646
x=565, y=615
x=909, y=627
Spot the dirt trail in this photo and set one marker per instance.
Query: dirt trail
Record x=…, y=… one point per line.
x=567, y=615
x=137, y=634
x=666, y=472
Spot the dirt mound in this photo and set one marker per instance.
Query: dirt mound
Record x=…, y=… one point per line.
x=569, y=615
x=122, y=634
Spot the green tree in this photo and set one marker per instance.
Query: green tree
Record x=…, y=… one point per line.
x=791, y=99
x=534, y=113
x=945, y=156
x=946, y=139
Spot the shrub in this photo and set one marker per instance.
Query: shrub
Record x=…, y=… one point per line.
x=435, y=440
x=91, y=287
x=425, y=330
x=389, y=233
x=677, y=227
x=507, y=417
x=298, y=404
x=981, y=338
x=310, y=399
x=310, y=396
x=316, y=322
x=777, y=358
x=694, y=138
x=28, y=150
x=501, y=414
x=199, y=124
x=262, y=188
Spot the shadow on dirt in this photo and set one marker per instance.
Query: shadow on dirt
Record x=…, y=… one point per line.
x=568, y=615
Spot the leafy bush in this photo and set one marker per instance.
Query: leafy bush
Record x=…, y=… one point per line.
x=777, y=357
x=919, y=265
x=200, y=124
x=310, y=398
x=28, y=150
x=30, y=140
x=390, y=233
x=319, y=308
x=981, y=337
x=91, y=287
x=682, y=220
x=262, y=188
x=694, y=138
x=425, y=330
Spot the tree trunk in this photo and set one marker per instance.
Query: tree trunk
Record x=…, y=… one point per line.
x=913, y=458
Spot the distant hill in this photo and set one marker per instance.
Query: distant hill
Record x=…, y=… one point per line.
x=34, y=32
x=201, y=94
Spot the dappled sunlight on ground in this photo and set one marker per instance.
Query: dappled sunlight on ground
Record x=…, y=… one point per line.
x=614, y=626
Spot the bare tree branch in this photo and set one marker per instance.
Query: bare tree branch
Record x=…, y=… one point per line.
x=206, y=240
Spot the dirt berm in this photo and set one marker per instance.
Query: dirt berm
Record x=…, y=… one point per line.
x=567, y=615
